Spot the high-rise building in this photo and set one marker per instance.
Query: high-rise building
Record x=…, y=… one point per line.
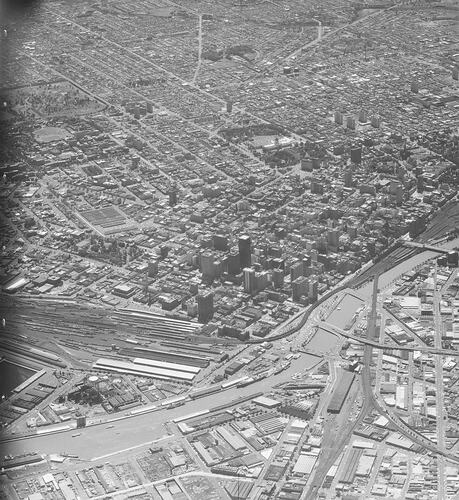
x=396, y=191
x=375, y=121
x=249, y=280
x=220, y=242
x=164, y=251
x=152, y=268
x=205, y=306
x=172, y=197
x=218, y=268
x=300, y=288
x=348, y=180
x=306, y=164
x=453, y=258
x=315, y=163
x=229, y=106
x=338, y=117
x=414, y=87
x=362, y=116
x=262, y=280
x=455, y=73
x=306, y=258
x=278, y=263
x=317, y=187
x=356, y=155
x=296, y=270
x=314, y=255
x=278, y=278
x=350, y=123
x=313, y=289
x=207, y=264
x=333, y=238
x=420, y=184
x=245, y=251
x=233, y=263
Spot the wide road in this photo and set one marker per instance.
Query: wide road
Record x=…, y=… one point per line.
x=98, y=440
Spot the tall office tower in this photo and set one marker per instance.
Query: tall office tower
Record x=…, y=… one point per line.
x=375, y=121
x=313, y=289
x=152, y=268
x=218, y=268
x=455, y=73
x=316, y=187
x=149, y=107
x=453, y=258
x=135, y=162
x=306, y=258
x=229, y=106
x=249, y=280
x=245, y=251
x=333, y=238
x=338, y=117
x=164, y=251
x=194, y=285
x=300, y=287
x=362, y=116
x=420, y=184
x=356, y=155
x=207, y=264
x=278, y=278
x=396, y=191
x=232, y=263
x=315, y=163
x=350, y=123
x=205, y=306
x=172, y=197
x=348, y=180
x=220, y=242
x=278, y=263
x=262, y=280
x=296, y=270
x=314, y=255
x=414, y=87
x=306, y=164
x=352, y=230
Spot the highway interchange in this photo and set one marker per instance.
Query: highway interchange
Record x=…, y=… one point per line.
x=98, y=442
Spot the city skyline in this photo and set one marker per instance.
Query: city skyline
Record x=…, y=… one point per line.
x=230, y=243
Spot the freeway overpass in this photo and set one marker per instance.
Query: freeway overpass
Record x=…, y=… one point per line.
x=431, y=350
x=424, y=246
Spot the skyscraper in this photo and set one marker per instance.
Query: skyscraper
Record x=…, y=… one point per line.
x=249, y=280
x=350, y=123
x=152, y=268
x=233, y=263
x=220, y=242
x=300, y=288
x=333, y=238
x=278, y=278
x=207, y=264
x=245, y=251
x=205, y=306
x=172, y=197
x=356, y=155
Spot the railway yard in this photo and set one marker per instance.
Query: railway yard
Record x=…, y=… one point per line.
x=229, y=250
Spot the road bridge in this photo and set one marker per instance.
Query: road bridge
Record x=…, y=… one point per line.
x=424, y=246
